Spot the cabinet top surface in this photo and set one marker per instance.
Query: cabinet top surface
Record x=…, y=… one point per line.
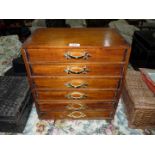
x=81, y=37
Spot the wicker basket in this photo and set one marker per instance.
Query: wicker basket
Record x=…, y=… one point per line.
x=139, y=101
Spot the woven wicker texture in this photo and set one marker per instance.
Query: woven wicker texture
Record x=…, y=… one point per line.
x=13, y=92
x=139, y=101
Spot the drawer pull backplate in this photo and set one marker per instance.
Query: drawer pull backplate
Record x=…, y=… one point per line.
x=76, y=70
x=76, y=114
x=76, y=84
x=70, y=55
x=76, y=96
x=75, y=106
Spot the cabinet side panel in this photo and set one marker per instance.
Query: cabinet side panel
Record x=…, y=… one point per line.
x=25, y=58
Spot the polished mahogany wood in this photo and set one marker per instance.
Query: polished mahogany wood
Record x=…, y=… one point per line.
x=75, y=83
x=75, y=105
x=76, y=68
x=101, y=114
x=76, y=95
x=75, y=55
x=86, y=37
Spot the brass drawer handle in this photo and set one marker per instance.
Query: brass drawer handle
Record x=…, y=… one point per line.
x=76, y=96
x=75, y=85
x=75, y=106
x=76, y=70
x=76, y=114
x=84, y=55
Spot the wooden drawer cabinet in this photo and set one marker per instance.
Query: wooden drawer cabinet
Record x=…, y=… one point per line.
x=106, y=114
x=75, y=69
x=76, y=73
x=76, y=95
x=75, y=55
x=75, y=105
x=68, y=83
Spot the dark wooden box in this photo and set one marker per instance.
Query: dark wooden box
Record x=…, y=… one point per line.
x=143, y=50
x=19, y=66
x=17, y=69
x=15, y=103
x=139, y=101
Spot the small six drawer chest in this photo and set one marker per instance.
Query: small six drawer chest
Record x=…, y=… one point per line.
x=76, y=73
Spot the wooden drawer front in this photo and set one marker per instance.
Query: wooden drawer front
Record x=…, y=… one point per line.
x=75, y=105
x=102, y=114
x=76, y=69
x=76, y=95
x=75, y=83
x=75, y=55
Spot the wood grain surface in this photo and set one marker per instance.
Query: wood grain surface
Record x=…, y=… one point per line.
x=76, y=73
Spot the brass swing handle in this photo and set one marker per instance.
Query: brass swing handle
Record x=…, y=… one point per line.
x=84, y=55
x=76, y=96
x=75, y=106
x=72, y=85
x=76, y=114
x=76, y=70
